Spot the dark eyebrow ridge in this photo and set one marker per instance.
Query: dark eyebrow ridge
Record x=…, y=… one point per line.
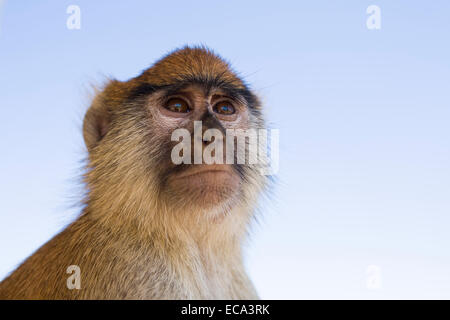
x=229, y=89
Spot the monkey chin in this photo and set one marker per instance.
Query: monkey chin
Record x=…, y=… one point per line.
x=204, y=186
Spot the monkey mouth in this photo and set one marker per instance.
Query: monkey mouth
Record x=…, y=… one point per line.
x=205, y=169
x=206, y=179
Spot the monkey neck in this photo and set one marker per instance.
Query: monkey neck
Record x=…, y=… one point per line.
x=206, y=235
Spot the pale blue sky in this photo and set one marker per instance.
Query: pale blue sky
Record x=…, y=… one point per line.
x=363, y=117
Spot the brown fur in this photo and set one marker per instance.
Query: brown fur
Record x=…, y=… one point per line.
x=134, y=239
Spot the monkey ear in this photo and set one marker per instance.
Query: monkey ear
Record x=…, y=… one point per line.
x=96, y=122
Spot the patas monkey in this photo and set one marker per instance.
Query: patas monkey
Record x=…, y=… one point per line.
x=152, y=229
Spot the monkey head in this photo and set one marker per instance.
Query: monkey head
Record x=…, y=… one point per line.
x=129, y=129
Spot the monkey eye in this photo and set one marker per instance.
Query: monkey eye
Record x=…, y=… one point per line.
x=224, y=107
x=177, y=105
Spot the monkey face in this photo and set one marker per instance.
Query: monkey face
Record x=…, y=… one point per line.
x=198, y=181
x=130, y=127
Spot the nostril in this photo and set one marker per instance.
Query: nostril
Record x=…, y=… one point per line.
x=212, y=139
x=206, y=142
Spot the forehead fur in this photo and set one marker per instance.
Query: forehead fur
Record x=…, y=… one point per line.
x=191, y=64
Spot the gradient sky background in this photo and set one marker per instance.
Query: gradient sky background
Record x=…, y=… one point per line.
x=363, y=117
